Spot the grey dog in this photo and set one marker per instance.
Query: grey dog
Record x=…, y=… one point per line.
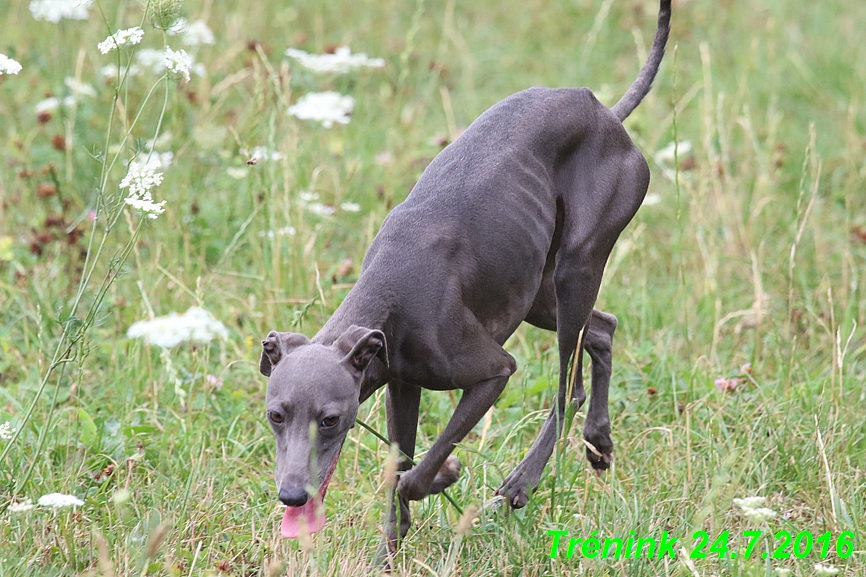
x=512, y=222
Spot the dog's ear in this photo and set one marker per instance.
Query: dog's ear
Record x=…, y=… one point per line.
x=360, y=345
x=276, y=346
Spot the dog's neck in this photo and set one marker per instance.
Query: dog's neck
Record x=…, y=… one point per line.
x=362, y=312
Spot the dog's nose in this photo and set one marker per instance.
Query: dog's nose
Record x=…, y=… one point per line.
x=293, y=497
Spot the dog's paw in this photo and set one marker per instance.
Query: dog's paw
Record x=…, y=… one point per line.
x=448, y=474
x=599, y=447
x=517, y=488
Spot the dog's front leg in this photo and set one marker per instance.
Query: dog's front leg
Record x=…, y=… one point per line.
x=401, y=407
x=477, y=399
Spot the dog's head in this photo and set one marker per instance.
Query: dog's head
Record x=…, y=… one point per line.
x=312, y=401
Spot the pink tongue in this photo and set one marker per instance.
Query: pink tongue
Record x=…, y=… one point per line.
x=311, y=515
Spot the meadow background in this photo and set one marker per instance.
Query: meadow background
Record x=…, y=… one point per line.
x=739, y=287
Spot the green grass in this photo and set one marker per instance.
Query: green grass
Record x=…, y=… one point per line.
x=771, y=96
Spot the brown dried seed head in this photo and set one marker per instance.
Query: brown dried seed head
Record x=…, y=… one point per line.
x=44, y=117
x=58, y=143
x=156, y=539
x=104, y=559
x=46, y=190
x=54, y=221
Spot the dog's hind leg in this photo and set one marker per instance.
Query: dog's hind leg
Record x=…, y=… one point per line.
x=601, y=186
x=401, y=405
x=596, y=430
x=598, y=343
x=578, y=297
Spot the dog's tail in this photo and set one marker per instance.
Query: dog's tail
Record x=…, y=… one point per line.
x=642, y=85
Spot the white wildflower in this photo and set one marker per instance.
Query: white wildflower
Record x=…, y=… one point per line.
x=139, y=180
x=47, y=105
x=58, y=500
x=193, y=34
x=307, y=196
x=156, y=61
x=260, y=153
x=652, y=199
x=9, y=66
x=179, y=27
x=238, y=172
x=750, y=502
x=78, y=87
x=6, y=431
x=56, y=10
x=178, y=62
x=324, y=107
x=825, y=570
x=759, y=515
x=159, y=160
x=340, y=62
x=151, y=58
x=666, y=154
x=196, y=324
x=321, y=209
x=120, y=38
x=752, y=510
x=160, y=141
x=285, y=231
x=21, y=506
x=782, y=572
x=110, y=71
x=350, y=206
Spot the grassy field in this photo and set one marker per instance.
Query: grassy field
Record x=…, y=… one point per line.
x=740, y=287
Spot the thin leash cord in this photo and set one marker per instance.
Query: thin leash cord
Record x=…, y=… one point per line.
x=387, y=442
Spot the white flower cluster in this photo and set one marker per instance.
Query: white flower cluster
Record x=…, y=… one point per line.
x=196, y=324
x=78, y=87
x=139, y=180
x=825, y=570
x=53, y=103
x=6, y=431
x=151, y=58
x=21, y=506
x=260, y=153
x=307, y=200
x=56, y=10
x=120, y=38
x=324, y=107
x=193, y=34
x=53, y=500
x=58, y=500
x=340, y=62
x=178, y=62
x=154, y=60
x=285, y=231
x=665, y=157
x=752, y=510
x=9, y=66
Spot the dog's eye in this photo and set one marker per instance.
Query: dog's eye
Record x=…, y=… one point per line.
x=275, y=417
x=331, y=421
